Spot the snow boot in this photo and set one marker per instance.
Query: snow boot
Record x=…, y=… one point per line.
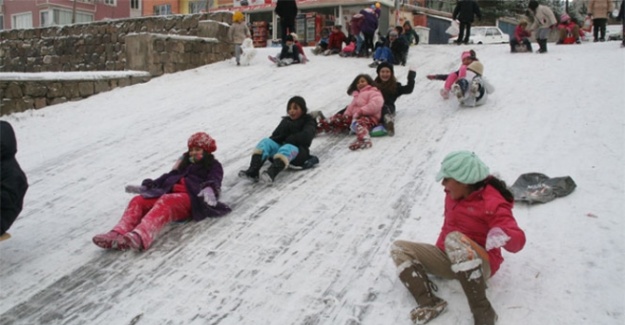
x=255, y=164
x=134, y=241
x=108, y=240
x=361, y=144
x=542, y=43
x=416, y=280
x=389, y=124
x=278, y=165
x=474, y=286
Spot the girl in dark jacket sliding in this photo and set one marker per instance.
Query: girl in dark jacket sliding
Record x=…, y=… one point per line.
x=288, y=144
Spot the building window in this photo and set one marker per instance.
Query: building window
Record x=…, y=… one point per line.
x=44, y=19
x=110, y=2
x=134, y=4
x=197, y=6
x=62, y=17
x=1, y=21
x=162, y=10
x=24, y=20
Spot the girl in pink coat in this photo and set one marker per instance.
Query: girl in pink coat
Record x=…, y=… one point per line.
x=467, y=58
x=362, y=114
x=478, y=223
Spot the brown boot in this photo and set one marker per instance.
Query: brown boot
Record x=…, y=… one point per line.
x=474, y=286
x=416, y=280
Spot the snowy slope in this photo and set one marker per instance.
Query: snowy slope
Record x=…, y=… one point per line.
x=313, y=248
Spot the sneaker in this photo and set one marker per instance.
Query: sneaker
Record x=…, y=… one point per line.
x=389, y=125
x=445, y=93
x=108, y=240
x=374, y=64
x=457, y=91
x=361, y=144
x=423, y=314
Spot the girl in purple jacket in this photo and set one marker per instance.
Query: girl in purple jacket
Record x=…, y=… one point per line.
x=478, y=223
x=190, y=191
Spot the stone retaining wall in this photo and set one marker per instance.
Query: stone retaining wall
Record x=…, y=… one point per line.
x=98, y=46
x=157, y=45
x=20, y=95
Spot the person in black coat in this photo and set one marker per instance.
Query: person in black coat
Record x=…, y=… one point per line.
x=287, y=11
x=464, y=12
x=14, y=182
x=391, y=90
x=288, y=144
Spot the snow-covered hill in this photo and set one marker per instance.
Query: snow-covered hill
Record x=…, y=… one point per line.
x=313, y=248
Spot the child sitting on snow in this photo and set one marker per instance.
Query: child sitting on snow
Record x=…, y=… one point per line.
x=322, y=45
x=335, y=43
x=521, y=36
x=190, y=190
x=472, y=90
x=288, y=144
x=361, y=115
x=569, y=31
x=391, y=90
x=467, y=58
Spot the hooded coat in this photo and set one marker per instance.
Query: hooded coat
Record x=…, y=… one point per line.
x=14, y=182
x=475, y=215
x=367, y=102
x=196, y=177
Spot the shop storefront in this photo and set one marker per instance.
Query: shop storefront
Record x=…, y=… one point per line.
x=314, y=15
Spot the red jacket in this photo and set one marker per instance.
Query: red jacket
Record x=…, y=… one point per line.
x=336, y=40
x=475, y=215
x=520, y=33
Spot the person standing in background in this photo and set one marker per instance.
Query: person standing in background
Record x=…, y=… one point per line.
x=287, y=11
x=464, y=12
x=599, y=11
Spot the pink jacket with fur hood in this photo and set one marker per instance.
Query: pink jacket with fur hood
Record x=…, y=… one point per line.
x=367, y=102
x=475, y=215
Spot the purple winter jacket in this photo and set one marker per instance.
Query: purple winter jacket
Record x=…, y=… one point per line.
x=370, y=22
x=196, y=178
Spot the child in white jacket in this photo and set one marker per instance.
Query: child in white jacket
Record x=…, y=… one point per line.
x=473, y=89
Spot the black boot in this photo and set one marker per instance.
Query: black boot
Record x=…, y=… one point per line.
x=474, y=286
x=252, y=171
x=542, y=43
x=276, y=167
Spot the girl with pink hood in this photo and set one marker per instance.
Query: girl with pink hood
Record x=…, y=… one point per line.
x=467, y=58
x=361, y=115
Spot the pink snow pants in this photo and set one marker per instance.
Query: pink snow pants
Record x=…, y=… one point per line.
x=147, y=217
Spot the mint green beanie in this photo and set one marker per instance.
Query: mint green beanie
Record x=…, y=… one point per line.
x=463, y=166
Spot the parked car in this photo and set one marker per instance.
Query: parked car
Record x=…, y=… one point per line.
x=485, y=35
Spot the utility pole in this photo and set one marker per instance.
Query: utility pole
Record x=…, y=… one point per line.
x=74, y=12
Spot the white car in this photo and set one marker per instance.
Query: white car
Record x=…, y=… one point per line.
x=485, y=35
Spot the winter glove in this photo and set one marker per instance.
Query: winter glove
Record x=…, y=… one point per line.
x=208, y=195
x=412, y=73
x=431, y=76
x=135, y=189
x=496, y=238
